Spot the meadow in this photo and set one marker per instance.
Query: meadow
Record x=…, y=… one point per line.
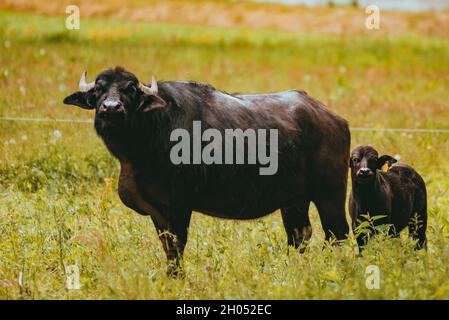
x=58, y=184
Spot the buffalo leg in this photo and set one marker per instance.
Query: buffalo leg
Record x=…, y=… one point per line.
x=131, y=195
x=297, y=225
x=174, y=239
x=331, y=209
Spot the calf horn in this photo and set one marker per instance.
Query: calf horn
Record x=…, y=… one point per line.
x=149, y=90
x=84, y=86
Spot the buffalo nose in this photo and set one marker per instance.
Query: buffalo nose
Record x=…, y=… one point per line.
x=111, y=105
x=364, y=172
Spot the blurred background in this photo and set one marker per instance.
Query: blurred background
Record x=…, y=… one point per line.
x=329, y=16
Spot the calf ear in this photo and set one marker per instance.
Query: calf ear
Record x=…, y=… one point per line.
x=151, y=102
x=79, y=99
x=385, y=160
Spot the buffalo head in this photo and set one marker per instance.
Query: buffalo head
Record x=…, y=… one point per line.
x=115, y=94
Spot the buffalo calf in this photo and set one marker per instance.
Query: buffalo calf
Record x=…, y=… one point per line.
x=398, y=192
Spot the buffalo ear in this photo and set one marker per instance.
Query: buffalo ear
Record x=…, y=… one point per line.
x=151, y=102
x=78, y=99
x=385, y=160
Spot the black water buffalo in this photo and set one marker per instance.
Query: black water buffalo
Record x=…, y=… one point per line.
x=398, y=193
x=137, y=122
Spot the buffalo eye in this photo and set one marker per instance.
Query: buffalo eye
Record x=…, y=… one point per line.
x=355, y=160
x=129, y=88
x=100, y=86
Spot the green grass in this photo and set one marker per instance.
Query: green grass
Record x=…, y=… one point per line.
x=58, y=199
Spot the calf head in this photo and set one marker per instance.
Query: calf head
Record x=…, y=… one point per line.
x=365, y=162
x=115, y=94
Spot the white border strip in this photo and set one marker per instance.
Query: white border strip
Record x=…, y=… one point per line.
x=352, y=129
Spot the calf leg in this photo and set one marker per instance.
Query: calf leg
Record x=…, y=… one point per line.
x=297, y=225
x=362, y=237
x=417, y=228
x=358, y=215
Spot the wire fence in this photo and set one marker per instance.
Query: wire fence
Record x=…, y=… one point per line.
x=356, y=129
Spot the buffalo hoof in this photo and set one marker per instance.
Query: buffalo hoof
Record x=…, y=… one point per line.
x=175, y=272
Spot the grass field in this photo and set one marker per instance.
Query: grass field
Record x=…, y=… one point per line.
x=58, y=199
